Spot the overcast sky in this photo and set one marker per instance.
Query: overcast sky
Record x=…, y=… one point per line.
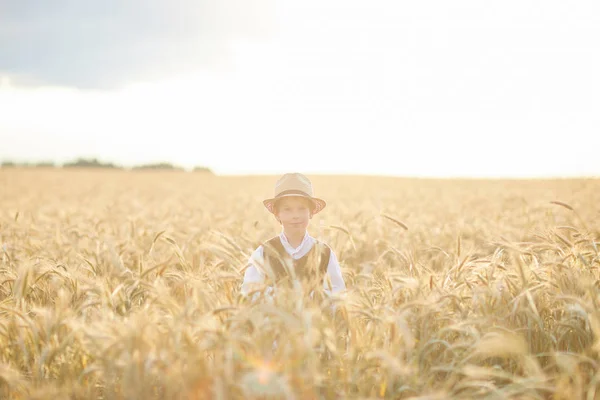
x=425, y=88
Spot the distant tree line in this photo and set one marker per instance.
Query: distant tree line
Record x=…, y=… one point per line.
x=91, y=163
x=162, y=165
x=95, y=163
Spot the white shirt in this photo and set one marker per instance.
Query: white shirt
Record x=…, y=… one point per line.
x=254, y=275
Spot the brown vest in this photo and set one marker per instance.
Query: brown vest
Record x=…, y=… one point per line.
x=310, y=268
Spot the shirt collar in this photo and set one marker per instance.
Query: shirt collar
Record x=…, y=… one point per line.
x=285, y=242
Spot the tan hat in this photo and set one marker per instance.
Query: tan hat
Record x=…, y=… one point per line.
x=294, y=185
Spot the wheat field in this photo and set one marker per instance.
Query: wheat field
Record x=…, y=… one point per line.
x=125, y=285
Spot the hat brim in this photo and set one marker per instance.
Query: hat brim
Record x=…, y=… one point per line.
x=319, y=203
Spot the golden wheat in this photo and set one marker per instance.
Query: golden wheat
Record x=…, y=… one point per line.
x=125, y=285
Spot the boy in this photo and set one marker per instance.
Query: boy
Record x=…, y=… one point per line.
x=293, y=254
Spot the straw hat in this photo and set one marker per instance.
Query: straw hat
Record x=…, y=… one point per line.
x=294, y=185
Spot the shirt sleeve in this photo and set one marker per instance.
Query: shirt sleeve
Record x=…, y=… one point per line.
x=254, y=274
x=334, y=272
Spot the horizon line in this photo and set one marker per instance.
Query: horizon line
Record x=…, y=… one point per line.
x=209, y=171
x=96, y=163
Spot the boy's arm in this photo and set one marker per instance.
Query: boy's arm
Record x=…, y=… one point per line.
x=335, y=275
x=253, y=274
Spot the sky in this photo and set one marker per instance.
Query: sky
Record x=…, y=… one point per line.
x=439, y=88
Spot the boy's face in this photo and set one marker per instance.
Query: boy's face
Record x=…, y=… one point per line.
x=294, y=213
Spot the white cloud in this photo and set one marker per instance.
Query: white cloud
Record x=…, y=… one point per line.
x=417, y=88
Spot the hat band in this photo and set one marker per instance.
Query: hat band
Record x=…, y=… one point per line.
x=286, y=192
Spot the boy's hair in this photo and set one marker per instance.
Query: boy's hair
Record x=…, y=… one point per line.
x=310, y=204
